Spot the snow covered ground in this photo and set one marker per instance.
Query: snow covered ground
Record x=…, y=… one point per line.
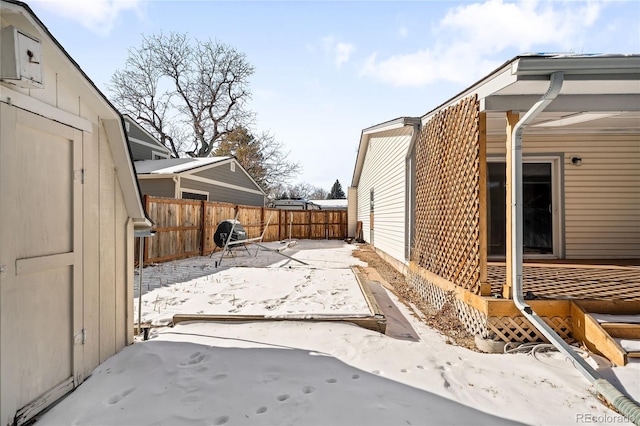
x=304, y=373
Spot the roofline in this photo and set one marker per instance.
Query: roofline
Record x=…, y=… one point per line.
x=542, y=65
x=140, y=222
x=227, y=159
x=366, y=134
x=157, y=142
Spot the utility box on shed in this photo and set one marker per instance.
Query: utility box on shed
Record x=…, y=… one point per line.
x=21, y=62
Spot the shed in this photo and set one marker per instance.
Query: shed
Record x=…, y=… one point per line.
x=220, y=179
x=70, y=206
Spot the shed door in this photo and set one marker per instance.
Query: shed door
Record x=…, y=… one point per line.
x=42, y=174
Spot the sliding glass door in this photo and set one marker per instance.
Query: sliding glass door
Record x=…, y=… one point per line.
x=540, y=208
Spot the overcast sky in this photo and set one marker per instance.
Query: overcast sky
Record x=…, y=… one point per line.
x=326, y=70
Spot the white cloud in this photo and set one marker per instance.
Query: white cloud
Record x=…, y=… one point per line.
x=340, y=51
x=471, y=40
x=98, y=16
x=403, y=32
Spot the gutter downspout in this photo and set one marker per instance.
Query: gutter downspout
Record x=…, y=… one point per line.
x=613, y=396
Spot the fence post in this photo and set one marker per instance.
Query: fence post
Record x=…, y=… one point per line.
x=203, y=225
x=145, y=255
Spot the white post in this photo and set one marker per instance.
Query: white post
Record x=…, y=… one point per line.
x=140, y=268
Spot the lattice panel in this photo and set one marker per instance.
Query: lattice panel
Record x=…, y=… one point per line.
x=474, y=321
x=448, y=195
x=433, y=294
x=519, y=329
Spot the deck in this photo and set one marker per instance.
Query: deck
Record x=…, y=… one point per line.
x=572, y=281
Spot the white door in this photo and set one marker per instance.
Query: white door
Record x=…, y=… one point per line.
x=41, y=178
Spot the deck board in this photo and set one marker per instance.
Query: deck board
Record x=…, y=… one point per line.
x=562, y=281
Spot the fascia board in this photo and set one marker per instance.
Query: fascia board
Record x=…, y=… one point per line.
x=125, y=171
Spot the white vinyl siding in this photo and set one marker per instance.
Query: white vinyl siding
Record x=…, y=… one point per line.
x=384, y=172
x=601, y=196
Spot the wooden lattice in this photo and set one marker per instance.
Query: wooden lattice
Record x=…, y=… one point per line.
x=447, y=224
x=474, y=321
x=519, y=329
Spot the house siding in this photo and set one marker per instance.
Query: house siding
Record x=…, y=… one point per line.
x=223, y=194
x=601, y=197
x=164, y=187
x=223, y=173
x=141, y=152
x=384, y=172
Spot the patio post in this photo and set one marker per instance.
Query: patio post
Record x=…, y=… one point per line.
x=507, y=290
x=485, y=286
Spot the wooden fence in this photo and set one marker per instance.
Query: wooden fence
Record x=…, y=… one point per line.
x=185, y=228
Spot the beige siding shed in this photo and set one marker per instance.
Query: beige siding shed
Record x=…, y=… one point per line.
x=70, y=204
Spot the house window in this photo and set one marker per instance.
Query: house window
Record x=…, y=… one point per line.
x=193, y=194
x=155, y=155
x=233, y=166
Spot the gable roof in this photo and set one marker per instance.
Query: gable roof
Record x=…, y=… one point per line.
x=406, y=124
x=173, y=166
x=20, y=14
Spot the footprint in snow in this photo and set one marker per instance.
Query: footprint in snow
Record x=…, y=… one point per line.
x=117, y=398
x=283, y=397
x=261, y=410
x=308, y=389
x=331, y=380
x=221, y=420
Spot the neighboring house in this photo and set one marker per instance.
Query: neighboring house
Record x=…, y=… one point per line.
x=338, y=204
x=144, y=146
x=70, y=205
x=220, y=179
x=378, y=196
x=445, y=195
x=294, y=205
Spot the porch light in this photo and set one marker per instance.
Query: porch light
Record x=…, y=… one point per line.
x=576, y=161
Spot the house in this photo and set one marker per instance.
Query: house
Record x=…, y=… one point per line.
x=220, y=179
x=295, y=205
x=379, y=193
x=557, y=134
x=338, y=204
x=70, y=205
x=143, y=145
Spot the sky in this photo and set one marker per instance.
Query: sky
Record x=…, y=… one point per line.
x=326, y=70
x=316, y=373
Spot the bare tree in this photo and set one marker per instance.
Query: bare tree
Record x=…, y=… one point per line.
x=318, y=194
x=189, y=94
x=262, y=157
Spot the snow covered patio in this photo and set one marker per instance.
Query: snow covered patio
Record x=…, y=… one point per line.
x=315, y=373
x=257, y=283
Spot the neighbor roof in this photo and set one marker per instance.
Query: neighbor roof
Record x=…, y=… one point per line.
x=175, y=165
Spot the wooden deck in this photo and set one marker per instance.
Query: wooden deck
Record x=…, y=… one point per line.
x=572, y=281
